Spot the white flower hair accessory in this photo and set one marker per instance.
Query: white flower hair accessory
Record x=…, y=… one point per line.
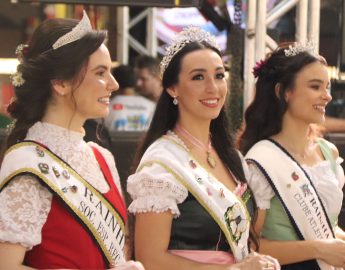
x=297, y=48
x=17, y=79
x=80, y=30
x=187, y=35
x=20, y=51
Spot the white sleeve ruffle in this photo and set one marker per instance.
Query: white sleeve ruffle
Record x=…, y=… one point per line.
x=25, y=205
x=262, y=190
x=153, y=189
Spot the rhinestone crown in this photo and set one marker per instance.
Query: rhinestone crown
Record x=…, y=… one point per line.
x=80, y=30
x=297, y=48
x=187, y=35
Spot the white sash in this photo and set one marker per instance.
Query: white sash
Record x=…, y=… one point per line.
x=91, y=208
x=296, y=192
x=227, y=209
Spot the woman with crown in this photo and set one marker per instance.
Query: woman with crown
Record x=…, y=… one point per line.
x=61, y=200
x=296, y=176
x=192, y=205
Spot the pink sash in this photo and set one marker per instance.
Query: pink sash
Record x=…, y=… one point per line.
x=206, y=256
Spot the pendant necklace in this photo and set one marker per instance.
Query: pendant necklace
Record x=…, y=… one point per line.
x=210, y=159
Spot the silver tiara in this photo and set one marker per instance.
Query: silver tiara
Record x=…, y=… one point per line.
x=297, y=48
x=187, y=35
x=80, y=30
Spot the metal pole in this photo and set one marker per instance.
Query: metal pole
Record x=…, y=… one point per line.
x=314, y=23
x=249, y=53
x=280, y=9
x=122, y=34
x=151, y=39
x=260, y=46
x=301, y=21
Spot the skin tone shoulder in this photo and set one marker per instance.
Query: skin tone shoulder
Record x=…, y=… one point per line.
x=201, y=91
x=306, y=105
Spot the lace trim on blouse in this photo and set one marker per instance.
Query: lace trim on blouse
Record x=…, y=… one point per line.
x=155, y=190
x=25, y=203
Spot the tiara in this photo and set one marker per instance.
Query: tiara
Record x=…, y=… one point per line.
x=187, y=35
x=80, y=30
x=297, y=48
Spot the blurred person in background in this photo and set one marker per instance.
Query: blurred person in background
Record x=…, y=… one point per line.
x=149, y=82
x=128, y=111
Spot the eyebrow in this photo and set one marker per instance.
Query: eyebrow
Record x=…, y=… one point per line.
x=98, y=67
x=316, y=80
x=204, y=70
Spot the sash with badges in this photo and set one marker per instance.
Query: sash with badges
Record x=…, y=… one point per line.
x=103, y=221
x=229, y=211
x=295, y=190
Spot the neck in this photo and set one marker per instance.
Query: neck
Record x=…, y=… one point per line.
x=63, y=117
x=199, y=132
x=295, y=136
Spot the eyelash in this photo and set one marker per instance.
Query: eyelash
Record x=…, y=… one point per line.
x=100, y=73
x=200, y=76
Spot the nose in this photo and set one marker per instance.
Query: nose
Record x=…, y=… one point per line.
x=211, y=85
x=113, y=85
x=327, y=96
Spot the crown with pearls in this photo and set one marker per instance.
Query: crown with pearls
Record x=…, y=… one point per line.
x=80, y=30
x=297, y=48
x=187, y=35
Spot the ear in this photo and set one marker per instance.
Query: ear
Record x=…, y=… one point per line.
x=278, y=89
x=60, y=87
x=172, y=91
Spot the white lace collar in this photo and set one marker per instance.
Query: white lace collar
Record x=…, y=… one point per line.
x=70, y=146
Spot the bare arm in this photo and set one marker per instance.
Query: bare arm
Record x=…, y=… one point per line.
x=12, y=257
x=333, y=124
x=339, y=233
x=332, y=251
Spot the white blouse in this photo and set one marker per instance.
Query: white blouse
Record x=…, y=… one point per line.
x=25, y=203
x=154, y=189
x=328, y=185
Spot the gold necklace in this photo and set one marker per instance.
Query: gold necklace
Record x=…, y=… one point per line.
x=210, y=159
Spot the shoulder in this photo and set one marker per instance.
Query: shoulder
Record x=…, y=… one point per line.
x=331, y=146
x=109, y=159
x=167, y=148
x=105, y=152
x=259, y=148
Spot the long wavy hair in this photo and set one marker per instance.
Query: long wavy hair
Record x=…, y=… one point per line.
x=166, y=116
x=263, y=117
x=40, y=64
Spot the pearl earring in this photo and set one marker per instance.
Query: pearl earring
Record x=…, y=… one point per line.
x=175, y=101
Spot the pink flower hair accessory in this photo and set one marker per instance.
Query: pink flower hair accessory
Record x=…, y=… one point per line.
x=258, y=66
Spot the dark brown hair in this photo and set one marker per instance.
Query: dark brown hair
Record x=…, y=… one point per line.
x=263, y=117
x=41, y=64
x=166, y=116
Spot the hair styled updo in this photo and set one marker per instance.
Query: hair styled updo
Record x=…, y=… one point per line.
x=40, y=64
x=263, y=117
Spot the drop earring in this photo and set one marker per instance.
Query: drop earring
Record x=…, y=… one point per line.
x=175, y=101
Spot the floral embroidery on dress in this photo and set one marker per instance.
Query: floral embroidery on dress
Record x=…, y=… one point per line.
x=235, y=220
